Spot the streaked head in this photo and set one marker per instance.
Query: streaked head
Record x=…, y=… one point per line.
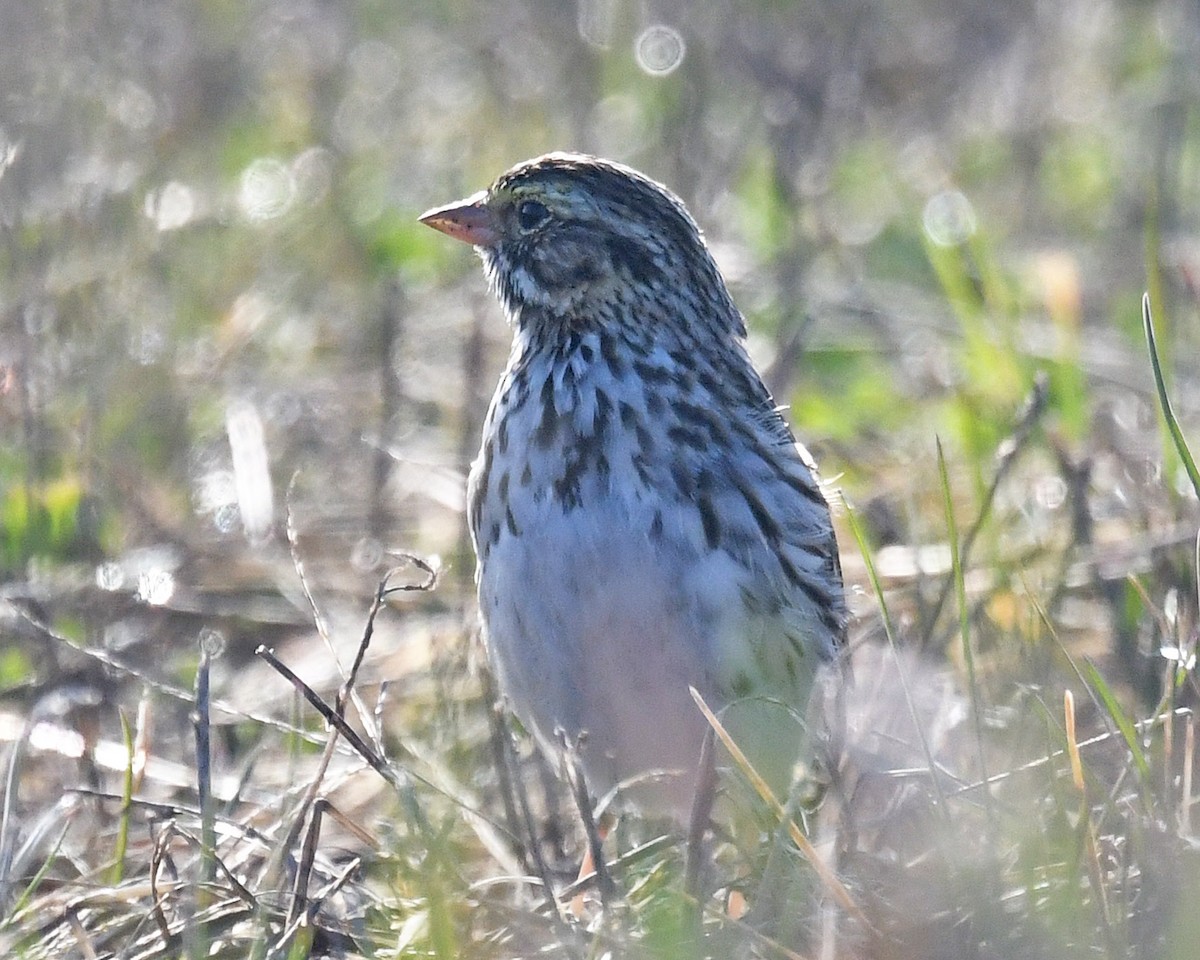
x=572, y=234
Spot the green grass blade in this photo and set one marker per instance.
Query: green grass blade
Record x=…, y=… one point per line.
x=36, y=883
x=117, y=873
x=964, y=618
x=1164, y=401
x=1119, y=717
x=889, y=629
x=864, y=548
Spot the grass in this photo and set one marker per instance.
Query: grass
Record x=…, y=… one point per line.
x=1001, y=781
x=1020, y=808
x=1005, y=779
x=286, y=750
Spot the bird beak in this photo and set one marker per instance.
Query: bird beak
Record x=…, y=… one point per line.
x=467, y=220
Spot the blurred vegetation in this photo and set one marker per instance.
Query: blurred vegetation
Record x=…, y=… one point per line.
x=236, y=374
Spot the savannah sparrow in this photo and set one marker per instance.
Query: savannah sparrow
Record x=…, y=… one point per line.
x=643, y=518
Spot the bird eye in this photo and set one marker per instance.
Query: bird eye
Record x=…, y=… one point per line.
x=531, y=215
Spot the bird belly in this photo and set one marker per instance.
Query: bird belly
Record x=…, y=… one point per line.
x=598, y=628
x=590, y=634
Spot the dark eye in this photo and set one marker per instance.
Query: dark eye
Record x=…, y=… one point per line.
x=531, y=214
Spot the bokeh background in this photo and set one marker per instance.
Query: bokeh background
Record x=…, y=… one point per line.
x=233, y=366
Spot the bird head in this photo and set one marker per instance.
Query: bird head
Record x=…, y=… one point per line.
x=575, y=236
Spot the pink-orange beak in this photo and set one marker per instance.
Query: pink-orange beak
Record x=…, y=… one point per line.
x=467, y=220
